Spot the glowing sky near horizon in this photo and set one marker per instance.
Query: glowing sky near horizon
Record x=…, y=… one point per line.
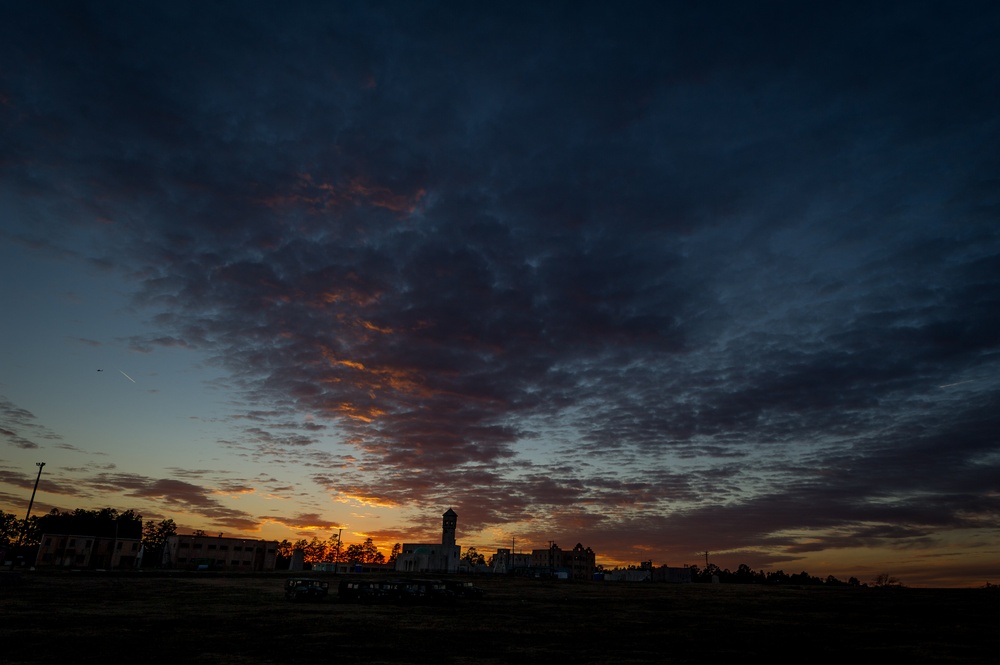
x=659, y=278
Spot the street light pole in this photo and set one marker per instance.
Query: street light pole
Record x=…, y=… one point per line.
x=20, y=538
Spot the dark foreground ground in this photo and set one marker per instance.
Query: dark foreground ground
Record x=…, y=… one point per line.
x=145, y=618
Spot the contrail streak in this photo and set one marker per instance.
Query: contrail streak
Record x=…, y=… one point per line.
x=127, y=376
x=949, y=385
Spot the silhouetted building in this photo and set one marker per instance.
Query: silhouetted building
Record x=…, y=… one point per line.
x=433, y=557
x=672, y=575
x=578, y=563
x=628, y=575
x=192, y=552
x=505, y=561
x=57, y=550
x=647, y=572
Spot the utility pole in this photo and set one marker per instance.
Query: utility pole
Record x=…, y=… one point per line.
x=20, y=538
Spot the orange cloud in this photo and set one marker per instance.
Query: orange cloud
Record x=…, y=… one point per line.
x=325, y=196
x=367, y=500
x=385, y=330
x=356, y=413
x=383, y=197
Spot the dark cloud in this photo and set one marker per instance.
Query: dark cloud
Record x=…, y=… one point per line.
x=19, y=427
x=16, y=478
x=729, y=270
x=306, y=521
x=95, y=483
x=178, y=495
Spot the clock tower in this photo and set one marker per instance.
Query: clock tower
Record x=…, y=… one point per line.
x=449, y=523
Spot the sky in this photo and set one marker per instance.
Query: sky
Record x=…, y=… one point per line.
x=659, y=278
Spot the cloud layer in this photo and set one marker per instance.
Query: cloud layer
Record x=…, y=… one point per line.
x=715, y=278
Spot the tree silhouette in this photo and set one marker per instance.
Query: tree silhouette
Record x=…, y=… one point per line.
x=284, y=554
x=313, y=551
x=10, y=528
x=104, y=523
x=154, y=538
x=473, y=558
x=886, y=581
x=333, y=548
x=366, y=552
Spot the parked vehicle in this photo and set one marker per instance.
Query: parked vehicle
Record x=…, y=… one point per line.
x=361, y=591
x=305, y=588
x=402, y=592
x=464, y=589
x=435, y=591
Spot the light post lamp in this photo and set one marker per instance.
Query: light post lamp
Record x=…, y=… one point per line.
x=336, y=565
x=20, y=538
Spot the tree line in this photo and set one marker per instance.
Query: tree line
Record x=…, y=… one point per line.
x=744, y=574
x=332, y=550
x=20, y=535
x=23, y=536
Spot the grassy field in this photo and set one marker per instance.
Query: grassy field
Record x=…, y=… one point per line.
x=67, y=617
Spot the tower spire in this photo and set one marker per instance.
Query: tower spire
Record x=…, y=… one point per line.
x=448, y=524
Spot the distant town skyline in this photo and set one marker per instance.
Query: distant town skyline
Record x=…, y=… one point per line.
x=659, y=278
